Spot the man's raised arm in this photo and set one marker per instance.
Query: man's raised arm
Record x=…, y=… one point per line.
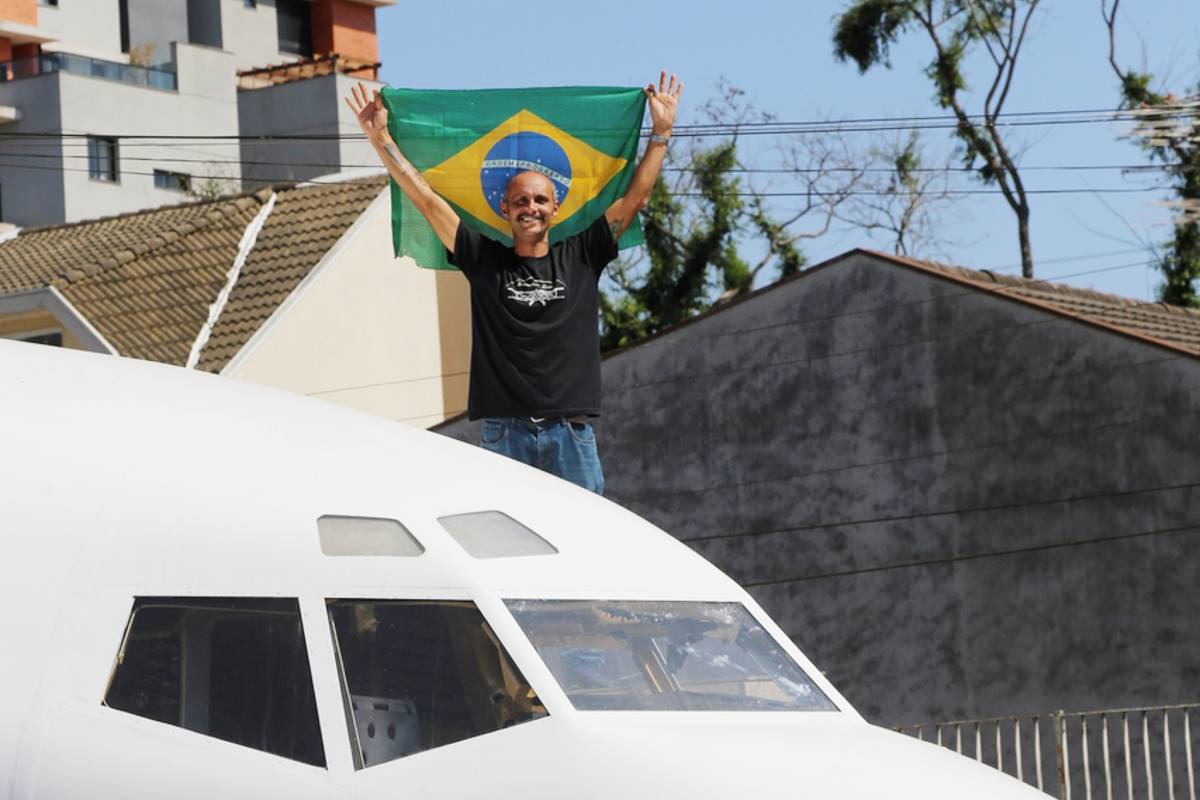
x=372, y=118
x=663, y=103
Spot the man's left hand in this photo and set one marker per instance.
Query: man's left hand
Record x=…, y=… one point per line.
x=663, y=102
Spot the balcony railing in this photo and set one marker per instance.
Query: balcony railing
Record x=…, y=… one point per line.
x=160, y=77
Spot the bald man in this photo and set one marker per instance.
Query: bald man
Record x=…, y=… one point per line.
x=535, y=346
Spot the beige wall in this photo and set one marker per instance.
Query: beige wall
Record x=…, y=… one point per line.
x=17, y=326
x=370, y=331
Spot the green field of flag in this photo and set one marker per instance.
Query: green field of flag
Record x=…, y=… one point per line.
x=468, y=143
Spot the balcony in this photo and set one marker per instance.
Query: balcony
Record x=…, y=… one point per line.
x=160, y=77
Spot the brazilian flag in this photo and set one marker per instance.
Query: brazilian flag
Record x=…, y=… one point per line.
x=468, y=144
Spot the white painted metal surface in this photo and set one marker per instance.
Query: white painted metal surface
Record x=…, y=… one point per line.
x=123, y=479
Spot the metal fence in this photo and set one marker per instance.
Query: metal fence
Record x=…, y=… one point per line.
x=1117, y=754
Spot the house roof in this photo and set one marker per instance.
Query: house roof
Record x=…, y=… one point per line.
x=1170, y=326
x=146, y=280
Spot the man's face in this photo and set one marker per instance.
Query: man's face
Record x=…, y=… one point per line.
x=529, y=205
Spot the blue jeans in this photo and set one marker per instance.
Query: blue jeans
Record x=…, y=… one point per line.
x=558, y=446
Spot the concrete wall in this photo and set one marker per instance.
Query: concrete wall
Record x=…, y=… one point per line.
x=205, y=104
x=251, y=34
x=86, y=27
x=31, y=187
x=957, y=505
x=313, y=106
x=369, y=331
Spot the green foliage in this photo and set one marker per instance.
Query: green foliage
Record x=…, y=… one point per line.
x=1180, y=261
x=866, y=30
x=692, y=252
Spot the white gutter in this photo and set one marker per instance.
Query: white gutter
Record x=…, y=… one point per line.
x=377, y=206
x=214, y=312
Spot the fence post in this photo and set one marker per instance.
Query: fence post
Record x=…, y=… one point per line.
x=1059, y=729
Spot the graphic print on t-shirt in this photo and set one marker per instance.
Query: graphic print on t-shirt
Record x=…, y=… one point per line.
x=534, y=291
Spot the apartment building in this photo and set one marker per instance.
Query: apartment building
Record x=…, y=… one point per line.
x=109, y=106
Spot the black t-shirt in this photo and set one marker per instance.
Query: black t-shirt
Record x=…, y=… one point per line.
x=535, y=343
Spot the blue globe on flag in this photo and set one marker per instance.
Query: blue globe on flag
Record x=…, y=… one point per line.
x=524, y=151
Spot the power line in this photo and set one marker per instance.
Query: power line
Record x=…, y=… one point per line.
x=1194, y=528
x=853, y=193
x=739, y=170
x=852, y=125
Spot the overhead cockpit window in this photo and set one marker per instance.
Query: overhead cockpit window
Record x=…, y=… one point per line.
x=419, y=674
x=665, y=656
x=232, y=668
x=493, y=534
x=366, y=536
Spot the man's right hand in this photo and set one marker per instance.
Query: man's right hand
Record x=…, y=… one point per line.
x=370, y=112
x=372, y=117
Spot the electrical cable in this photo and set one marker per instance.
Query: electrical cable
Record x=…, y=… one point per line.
x=976, y=556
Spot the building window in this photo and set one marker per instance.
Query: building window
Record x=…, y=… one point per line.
x=250, y=3
x=175, y=181
x=53, y=338
x=419, y=674
x=103, y=159
x=234, y=668
x=295, y=27
x=53, y=3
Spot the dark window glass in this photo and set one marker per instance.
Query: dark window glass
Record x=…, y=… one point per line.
x=420, y=674
x=204, y=22
x=250, y=3
x=103, y=159
x=176, y=181
x=123, y=11
x=53, y=339
x=232, y=668
x=295, y=27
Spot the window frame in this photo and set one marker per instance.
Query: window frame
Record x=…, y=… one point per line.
x=505, y=632
x=96, y=164
x=178, y=731
x=163, y=178
x=774, y=635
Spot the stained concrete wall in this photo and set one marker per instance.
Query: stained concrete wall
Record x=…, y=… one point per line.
x=958, y=505
x=31, y=188
x=312, y=107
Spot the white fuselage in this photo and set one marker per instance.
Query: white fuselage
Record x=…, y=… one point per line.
x=126, y=483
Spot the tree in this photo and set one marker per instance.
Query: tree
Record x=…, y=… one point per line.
x=698, y=222
x=865, y=31
x=691, y=236
x=1170, y=132
x=714, y=225
x=903, y=199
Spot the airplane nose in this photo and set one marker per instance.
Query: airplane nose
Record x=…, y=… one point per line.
x=816, y=758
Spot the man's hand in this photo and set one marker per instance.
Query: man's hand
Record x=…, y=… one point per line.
x=663, y=103
x=370, y=112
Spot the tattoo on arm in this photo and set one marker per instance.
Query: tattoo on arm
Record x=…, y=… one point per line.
x=403, y=165
x=615, y=226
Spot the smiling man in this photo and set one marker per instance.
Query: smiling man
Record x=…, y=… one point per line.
x=535, y=347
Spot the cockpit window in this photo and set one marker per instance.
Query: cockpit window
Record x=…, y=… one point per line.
x=665, y=656
x=419, y=674
x=234, y=668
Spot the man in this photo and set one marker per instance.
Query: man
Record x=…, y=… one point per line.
x=535, y=349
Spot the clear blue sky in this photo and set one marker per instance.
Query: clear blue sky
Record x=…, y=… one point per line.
x=779, y=52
